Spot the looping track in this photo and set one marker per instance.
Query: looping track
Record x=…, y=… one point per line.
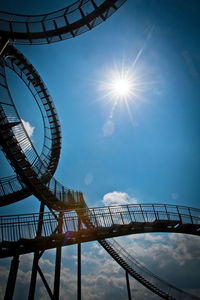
x=63, y=24
x=34, y=171
x=12, y=188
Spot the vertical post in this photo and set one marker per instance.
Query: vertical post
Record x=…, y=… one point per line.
x=179, y=214
x=190, y=215
x=57, y=273
x=58, y=262
x=142, y=212
x=110, y=215
x=36, y=257
x=12, y=278
x=129, y=213
x=79, y=265
x=167, y=212
x=128, y=286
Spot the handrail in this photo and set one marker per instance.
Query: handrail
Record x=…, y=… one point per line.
x=103, y=219
x=153, y=282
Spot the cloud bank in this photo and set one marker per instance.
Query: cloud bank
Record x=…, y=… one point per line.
x=118, y=198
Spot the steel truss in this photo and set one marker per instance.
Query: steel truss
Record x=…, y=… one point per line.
x=38, y=232
x=63, y=24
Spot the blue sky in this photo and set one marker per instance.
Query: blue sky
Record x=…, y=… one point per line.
x=153, y=157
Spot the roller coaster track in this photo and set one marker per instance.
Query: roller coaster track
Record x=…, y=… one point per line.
x=154, y=283
x=169, y=223
x=35, y=171
x=11, y=188
x=63, y=24
x=19, y=234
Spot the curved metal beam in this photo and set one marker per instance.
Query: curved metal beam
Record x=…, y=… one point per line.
x=105, y=222
x=154, y=283
x=12, y=188
x=73, y=20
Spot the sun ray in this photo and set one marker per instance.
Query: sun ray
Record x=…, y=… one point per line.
x=126, y=85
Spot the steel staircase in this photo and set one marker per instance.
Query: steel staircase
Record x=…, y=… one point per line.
x=154, y=283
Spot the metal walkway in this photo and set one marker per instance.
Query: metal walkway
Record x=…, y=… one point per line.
x=154, y=283
x=19, y=233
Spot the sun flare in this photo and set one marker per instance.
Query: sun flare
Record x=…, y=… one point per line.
x=124, y=86
x=121, y=87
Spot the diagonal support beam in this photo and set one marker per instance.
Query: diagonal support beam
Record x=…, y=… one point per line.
x=3, y=43
x=45, y=282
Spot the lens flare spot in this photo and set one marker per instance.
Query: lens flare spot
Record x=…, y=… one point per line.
x=108, y=128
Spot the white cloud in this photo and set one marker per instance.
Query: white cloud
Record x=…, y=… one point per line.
x=23, y=141
x=153, y=238
x=29, y=128
x=103, y=278
x=170, y=250
x=118, y=198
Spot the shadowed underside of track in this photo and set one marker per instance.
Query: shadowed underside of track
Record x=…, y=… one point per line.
x=26, y=245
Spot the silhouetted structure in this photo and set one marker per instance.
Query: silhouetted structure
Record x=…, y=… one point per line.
x=69, y=215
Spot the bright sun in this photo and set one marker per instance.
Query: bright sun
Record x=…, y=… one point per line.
x=122, y=87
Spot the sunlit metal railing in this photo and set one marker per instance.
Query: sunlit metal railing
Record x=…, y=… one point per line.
x=10, y=184
x=14, y=228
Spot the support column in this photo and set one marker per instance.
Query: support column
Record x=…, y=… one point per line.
x=12, y=278
x=79, y=265
x=79, y=272
x=36, y=257
x=128, y=286
x=58, y=262
x=57, y=273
